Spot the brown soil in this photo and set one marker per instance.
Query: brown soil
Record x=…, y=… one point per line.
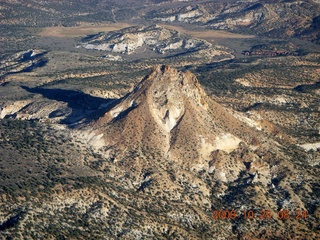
x=81, y=30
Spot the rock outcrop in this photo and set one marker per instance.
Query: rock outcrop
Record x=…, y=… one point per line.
x=269, y=18
x=139, y=39
x=22, y=62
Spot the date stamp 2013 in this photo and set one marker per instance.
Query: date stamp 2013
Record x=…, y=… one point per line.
x=261, y=214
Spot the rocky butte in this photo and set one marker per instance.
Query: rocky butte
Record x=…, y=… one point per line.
x=170, y=115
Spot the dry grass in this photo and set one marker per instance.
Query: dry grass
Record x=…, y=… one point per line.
x=81, y=30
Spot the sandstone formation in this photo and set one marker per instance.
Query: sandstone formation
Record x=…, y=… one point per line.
x=139, y=39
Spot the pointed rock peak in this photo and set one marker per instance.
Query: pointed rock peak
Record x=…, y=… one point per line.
x=162, y=69
x=166, y=94
x=169, y=81
x=166, y=74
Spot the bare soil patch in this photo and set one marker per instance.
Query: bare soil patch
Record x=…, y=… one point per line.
x=81, y=30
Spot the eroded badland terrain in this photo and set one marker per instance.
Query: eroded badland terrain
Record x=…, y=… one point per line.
x=159, y=119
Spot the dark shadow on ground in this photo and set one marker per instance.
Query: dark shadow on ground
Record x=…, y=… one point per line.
x=84, y=107
x=307, y=88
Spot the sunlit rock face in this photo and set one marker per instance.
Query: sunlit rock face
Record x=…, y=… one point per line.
x=139, y=39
